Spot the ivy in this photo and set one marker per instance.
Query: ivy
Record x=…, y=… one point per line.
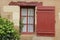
x=21, y=26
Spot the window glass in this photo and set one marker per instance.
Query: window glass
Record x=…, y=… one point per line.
x=30, y=20
x=24, y=28
x=30, y=28
x=24, y=20
x=24, y=11
x=30, y=12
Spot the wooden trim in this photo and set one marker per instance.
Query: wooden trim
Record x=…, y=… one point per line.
x=41, y=28
x=26, y=3
x=27, y=19
x=46, y=8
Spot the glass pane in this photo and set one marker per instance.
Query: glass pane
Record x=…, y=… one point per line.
x=30, y=28
x=24, y=28
x=24, y=19
x=24, y=12
x=30, y=20
x=30, y=12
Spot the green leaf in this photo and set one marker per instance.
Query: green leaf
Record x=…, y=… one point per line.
x=7, y=31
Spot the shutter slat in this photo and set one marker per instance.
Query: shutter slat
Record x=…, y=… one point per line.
x=46, y=21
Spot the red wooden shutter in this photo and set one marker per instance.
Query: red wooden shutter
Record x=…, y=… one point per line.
x=45, y=21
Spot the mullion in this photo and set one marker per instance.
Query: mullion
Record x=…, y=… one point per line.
x=26, y=16
x=27, y=20
x=27, y=24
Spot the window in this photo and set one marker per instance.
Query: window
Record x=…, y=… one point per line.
x=28, y=17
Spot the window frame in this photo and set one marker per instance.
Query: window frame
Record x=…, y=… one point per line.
x=27, y=7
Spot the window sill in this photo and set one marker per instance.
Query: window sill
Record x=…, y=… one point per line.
x=28, y=33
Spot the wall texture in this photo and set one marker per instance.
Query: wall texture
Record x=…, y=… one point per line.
x=45, y=3
x=13, y=13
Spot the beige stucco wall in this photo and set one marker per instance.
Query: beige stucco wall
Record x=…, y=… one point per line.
x=13, y=13
x=45, y=3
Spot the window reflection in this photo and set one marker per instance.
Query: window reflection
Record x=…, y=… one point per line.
x=24, y=20
x=30, y=28
x=30, y=20
x=30, y=12
x=24, y=11
x=24, y=28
